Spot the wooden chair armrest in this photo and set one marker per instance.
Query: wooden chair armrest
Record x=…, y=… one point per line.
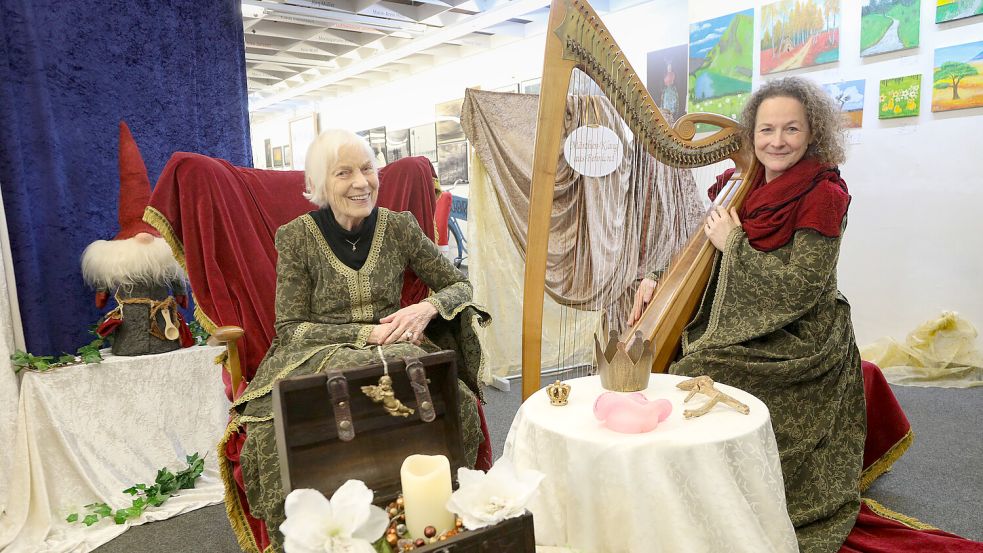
x=228, y=336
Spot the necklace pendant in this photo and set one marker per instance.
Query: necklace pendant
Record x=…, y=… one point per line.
x=353, y=247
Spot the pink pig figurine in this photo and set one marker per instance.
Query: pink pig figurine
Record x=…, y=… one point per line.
x=630, y=413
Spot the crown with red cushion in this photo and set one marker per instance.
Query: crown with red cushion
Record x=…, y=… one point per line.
x=134, y=187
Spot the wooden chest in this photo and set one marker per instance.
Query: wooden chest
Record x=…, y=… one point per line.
x=328, y=431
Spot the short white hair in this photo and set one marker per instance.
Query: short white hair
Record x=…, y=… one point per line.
x=322, y=156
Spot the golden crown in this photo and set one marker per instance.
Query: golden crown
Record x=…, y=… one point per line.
x=623, y=368
x=558, y=393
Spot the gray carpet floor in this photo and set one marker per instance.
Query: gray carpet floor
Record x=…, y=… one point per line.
x=938, y=481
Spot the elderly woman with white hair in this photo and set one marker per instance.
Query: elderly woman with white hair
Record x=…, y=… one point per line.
x=339, y=276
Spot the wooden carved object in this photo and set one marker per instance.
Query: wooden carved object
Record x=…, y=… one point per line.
x=704, y=385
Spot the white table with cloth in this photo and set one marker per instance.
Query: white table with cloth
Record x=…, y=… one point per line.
x=708, y=484
x=87, y=432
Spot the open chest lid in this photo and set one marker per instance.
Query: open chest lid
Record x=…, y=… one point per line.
x=329, y=431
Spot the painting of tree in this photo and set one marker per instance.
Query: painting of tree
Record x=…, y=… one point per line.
x=799, y=33
x=957, y=80
x=849, y=97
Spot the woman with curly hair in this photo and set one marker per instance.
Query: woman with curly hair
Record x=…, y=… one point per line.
x=772, y=321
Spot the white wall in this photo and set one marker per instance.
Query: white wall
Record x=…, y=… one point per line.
x=914, y=243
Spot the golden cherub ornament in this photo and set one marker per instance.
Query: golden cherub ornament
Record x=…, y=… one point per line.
x=383, y=393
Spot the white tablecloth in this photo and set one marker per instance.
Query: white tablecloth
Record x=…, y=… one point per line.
x=710, y=484
x=87, y=432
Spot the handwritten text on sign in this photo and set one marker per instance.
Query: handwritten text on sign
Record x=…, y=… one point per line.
x=593, y=151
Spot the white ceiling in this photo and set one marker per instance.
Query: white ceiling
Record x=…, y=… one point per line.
x=299, y=52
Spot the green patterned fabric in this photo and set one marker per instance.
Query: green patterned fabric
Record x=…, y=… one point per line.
x=324, y=313
x=774, y=324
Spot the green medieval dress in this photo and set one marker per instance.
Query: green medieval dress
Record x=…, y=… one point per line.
x=325, y=312
x=773, y=324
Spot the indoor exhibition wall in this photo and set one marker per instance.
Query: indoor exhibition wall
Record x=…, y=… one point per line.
x=912, y=248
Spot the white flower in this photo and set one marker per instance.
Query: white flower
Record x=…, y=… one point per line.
x=349, y=523
x=486, y=499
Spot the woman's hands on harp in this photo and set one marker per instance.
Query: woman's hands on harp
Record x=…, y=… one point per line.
x=644, y=294
x=719, y=223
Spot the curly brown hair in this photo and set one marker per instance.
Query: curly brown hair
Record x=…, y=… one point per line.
x=822, y=115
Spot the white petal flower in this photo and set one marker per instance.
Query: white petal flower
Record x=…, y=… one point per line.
x=348, y=523
x=487, y=499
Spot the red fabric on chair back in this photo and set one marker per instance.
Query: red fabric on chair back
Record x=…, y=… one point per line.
x=222, y=220
x=443, y=216
x=407, y=184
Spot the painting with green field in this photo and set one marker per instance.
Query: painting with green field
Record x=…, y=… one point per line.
x=888, y=26
x=949, y=10
x=721, y=58
x=957, y=80
x=900, y=97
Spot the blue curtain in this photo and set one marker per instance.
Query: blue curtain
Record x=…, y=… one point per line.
x=174, y=70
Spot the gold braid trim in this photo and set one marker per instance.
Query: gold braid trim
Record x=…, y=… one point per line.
x=715, y=307
x=284, y=372
x=233, y=507
x=910, y=522
x=157, y=220
x=883, y=464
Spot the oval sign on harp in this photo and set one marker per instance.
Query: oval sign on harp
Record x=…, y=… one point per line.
x=593, y=150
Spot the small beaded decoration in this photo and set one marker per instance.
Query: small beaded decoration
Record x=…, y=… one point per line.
x=398, y=537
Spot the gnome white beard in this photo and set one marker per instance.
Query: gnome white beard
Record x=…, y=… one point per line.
x=109, y=264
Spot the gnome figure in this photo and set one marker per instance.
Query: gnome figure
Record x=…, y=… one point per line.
x=137, y=267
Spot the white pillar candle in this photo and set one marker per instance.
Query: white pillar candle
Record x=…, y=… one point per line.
x=426, y=481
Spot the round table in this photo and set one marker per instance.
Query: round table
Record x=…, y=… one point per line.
x=712, y=483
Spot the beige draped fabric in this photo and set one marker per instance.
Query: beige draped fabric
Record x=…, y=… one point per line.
x=606, y=232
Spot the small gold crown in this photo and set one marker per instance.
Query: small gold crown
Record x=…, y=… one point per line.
x=623, y=368
x=558, y=393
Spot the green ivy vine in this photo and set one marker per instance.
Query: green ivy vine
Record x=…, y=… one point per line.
x=88, y=353
x=165, y=485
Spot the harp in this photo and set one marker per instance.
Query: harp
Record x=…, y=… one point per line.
x=577, y=40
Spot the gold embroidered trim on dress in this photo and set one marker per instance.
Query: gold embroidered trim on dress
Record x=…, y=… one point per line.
x=301, y=329
x=889, y=514
x=263, y=390
x=363, y=336
x=715, y=307
x=233, y=507
x=883, y=464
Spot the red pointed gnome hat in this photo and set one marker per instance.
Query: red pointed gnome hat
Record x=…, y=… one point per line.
x=134, y=188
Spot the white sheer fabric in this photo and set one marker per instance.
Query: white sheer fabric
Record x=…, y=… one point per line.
x=708, y=484
x=496, y=268
x=87, y=432
x=11, y=337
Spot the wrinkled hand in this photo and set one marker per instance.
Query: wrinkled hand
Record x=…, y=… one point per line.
x=644, y=294
x=406, y=325
x=719, y=224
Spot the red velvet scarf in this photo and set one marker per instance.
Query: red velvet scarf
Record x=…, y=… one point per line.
x=808, y=195
x=407, y=184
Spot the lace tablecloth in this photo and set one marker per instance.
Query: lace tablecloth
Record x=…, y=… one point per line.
x=87, y=432
x=712, y=483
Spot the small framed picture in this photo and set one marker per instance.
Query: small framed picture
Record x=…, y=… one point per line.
x=278, y=157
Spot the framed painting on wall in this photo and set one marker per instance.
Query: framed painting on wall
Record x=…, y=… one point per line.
x=957, y=79
x=423, y=142
x=453, y=166
x=849, y=96
x=666, y=72
x=278, y=157
x=900, y=97
x=376, y=137
x=950, y=10
x=888, y=25
x=286, y=156
x=268, y=147
x=448, y=117
x=798, y=34
x=303, y=131
x=721, y=56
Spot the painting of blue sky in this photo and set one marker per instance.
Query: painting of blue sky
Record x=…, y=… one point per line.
x=849, y=96
x=720, y=63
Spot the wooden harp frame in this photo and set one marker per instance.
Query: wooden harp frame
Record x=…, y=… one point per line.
x=577, y=39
